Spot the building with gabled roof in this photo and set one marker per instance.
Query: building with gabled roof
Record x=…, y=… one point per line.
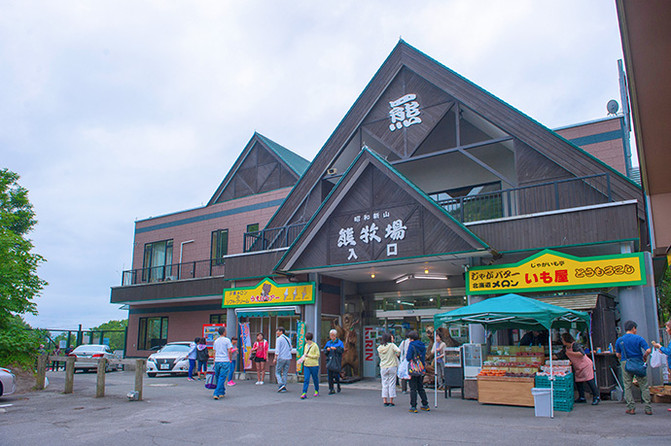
x=430, y=194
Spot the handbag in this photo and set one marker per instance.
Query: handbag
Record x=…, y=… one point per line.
x=416, y=367
x=634, y=366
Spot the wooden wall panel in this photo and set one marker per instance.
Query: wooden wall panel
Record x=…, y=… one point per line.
x=573, y=228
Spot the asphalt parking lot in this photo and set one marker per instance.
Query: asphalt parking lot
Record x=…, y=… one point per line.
x=178, y=412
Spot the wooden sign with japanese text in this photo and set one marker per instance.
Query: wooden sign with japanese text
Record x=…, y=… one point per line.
x=549, y=270
x=268, y=293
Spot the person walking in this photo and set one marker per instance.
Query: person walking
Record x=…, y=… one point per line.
x=388, y=353
x=282, y=358
x=260, y=351
x=234, y=361
x=222, y=361
x=583, y=368
x=202, y=355
x=417, y=352
x=333, y=351
x=438, y=351
x=192, y=356
x=404, y=351
x=631, y=347
x=310, y=361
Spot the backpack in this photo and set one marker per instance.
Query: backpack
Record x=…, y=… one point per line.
x=202, y=355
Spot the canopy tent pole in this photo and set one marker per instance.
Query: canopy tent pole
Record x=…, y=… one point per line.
x=435, y=366
x=552, y=376
x=591, y=349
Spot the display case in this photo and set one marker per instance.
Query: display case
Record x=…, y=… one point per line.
x=453, y=372
x=472, y=359
x=452, y=357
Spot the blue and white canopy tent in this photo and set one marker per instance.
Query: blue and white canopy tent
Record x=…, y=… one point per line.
x=515, y=311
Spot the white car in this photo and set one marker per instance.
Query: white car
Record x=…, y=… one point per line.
x=7, y=382
x=170, y=359
x=88, y=355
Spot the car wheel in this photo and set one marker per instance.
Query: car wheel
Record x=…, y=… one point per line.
x=1, y=391
x=151, y=374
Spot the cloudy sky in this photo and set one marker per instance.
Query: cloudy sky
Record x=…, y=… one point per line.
x=113, y=111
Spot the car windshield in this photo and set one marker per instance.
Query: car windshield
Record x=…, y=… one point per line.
x=175, y=348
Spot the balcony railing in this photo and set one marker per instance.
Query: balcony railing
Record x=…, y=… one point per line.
x=544, y=197
x=175, y=271
x=272, y=238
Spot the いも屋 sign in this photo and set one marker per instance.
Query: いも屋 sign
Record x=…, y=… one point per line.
x=269, y=293
x=550, y=270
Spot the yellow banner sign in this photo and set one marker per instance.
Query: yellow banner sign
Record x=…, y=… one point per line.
x=550, y=270
x=268, y=293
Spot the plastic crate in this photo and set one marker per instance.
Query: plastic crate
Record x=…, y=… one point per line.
x=560, y=382
x=563, y=404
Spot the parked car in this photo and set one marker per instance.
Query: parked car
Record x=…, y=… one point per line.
x=87, y=357
x=7, y=382
x=171, y=359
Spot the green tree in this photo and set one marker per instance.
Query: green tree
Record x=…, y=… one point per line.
x=664, y=297
x=19, y=283
x=115, y=331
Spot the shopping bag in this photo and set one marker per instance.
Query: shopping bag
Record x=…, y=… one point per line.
x=657, y=359
x=210, y=381
x=402, y=372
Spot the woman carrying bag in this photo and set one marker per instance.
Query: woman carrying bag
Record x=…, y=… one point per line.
x=416, y=369
x=310, y=361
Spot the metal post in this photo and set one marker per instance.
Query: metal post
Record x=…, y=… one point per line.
x=100, y=382
x=591, y=349
x=552, y=377
x=140, y=365
x=435, y=367
x=69, y=374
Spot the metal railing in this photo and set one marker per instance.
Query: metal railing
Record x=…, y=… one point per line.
x=543, y=197
x=272, y=238
x=175, y=271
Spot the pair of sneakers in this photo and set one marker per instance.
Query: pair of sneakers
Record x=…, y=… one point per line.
x=259, y=383
x=424, y=408
x=304, y=395
x=231, y=383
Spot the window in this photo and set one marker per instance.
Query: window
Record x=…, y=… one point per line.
x=153, y=332
x=219, y=246
x=254, y=227
x=157, y=264
x=268, y=326
x=218, y=319
x=472, y=203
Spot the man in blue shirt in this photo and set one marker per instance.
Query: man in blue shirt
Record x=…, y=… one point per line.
x=632, y=346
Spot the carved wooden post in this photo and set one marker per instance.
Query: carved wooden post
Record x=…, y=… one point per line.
x=69, y=374
x=100, y=383
x=140, y=365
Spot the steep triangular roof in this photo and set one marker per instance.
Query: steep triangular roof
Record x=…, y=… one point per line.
x=530, y=133
x=262, y=166
x=376, y=192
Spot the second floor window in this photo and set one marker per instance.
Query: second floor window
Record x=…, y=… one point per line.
x=254, y=227
x=157, y=263
x=219, y=246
